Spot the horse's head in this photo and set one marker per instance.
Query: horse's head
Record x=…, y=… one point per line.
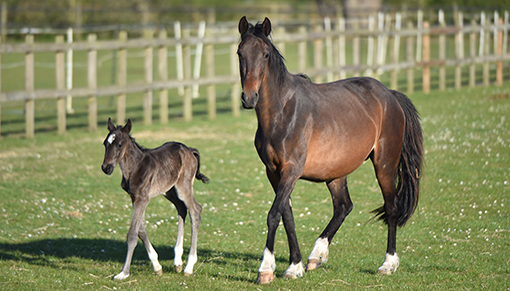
x=115, y=145
x=254, y=51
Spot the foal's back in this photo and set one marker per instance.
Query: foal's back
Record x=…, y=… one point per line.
x=163, y=167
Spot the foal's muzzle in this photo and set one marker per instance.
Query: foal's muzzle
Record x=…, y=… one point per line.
x=249, y=102
x=107, y=169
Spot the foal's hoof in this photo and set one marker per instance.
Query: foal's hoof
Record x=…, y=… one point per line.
x=265, y=277
x=159, y=272
x=178, y=269
x=313, y=264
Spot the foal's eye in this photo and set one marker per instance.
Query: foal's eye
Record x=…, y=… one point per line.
x=120, y=145
x=266, y=56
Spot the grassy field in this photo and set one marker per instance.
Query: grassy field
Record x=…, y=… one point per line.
x=64, y=222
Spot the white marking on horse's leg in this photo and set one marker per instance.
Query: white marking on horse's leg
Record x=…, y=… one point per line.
x=268, y=262
x=390, y=264
x=153, y=256
x=319, y=254
x=192, y=259
x=294, y=271
x=178, y=249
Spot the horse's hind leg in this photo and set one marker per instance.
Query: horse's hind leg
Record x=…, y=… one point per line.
x=386, y=165
x=182, y=211
x=185, y=194
x=153, y=255
x=342, y=206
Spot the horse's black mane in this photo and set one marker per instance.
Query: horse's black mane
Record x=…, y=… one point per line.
x=277, y=61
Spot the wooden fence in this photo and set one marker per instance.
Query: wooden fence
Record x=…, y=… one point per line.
x=336, y=46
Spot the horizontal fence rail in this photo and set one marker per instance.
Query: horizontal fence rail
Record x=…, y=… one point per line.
x=379, y=46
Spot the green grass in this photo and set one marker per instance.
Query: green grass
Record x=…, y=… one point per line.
x=63, y=222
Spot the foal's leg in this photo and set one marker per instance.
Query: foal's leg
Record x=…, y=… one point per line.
x=153, y=255
x=182, y=211
x=132, y=236
x=185, y=193
x=281, y=205
x=295, y=268
x=342, y=206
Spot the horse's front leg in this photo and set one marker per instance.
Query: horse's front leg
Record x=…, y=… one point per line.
x=153, y=255
x=132, y=236
x=281, y=205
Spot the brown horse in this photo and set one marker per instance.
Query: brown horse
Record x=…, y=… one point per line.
x=168, y=170
x=322, y=133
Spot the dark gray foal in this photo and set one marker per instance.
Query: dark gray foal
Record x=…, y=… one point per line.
x=168, y=170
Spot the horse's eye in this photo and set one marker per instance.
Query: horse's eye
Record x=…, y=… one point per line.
x=120, y=145
x=266, y=56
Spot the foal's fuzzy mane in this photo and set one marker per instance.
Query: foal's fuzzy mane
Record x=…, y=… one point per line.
x=142, y=148
x=276, y=60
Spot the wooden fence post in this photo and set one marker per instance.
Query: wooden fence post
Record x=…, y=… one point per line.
x=459, y=51
x=0, y=91
x=178, y=56
x=29, y=87
x=302, y=55
x=163, y=76
x=122, y=79
x=426, y=59
x=317, y=54
x=370, y=46
x=92, y=82
x=234, y=71
x=395, y=54
x=210, y=72
x=410, y=59
x=148, y=64
x=484, y=48
x=3, y=16
x=472, y=55
x=341, y=47
x=60, y=84
x=356, y=50
x=442, y=52
x=499, y=65
x=329, y=48
x=186, y=55
x=198, y=58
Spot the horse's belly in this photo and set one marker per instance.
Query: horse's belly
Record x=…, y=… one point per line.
x=335, y=162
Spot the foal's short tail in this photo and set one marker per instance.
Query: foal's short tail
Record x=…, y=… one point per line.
x=199, y=175
x=409, y=170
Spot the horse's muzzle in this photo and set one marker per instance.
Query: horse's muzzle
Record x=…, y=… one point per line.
x=107, y=169
x=249, y=102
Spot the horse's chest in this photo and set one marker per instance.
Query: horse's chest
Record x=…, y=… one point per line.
x=267, y=154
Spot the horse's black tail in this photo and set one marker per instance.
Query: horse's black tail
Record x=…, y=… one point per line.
x=199, y=175
x=411, y=158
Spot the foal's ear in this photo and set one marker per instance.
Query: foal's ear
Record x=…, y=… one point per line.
x=111, y=126
x=266, y=26
x=127, y=127
x=243, y=25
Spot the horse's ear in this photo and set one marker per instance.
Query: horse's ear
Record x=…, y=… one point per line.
x=111, y=126
x=266, y=27
x=127, y=127
x=243, y=25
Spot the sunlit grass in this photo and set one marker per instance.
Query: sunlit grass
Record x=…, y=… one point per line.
x=64, y=222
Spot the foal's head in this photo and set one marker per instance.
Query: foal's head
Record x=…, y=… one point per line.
x=115, y=145
x=257, y=56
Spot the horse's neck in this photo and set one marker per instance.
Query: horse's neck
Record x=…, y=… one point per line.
x=131, y=159
x=272, y=100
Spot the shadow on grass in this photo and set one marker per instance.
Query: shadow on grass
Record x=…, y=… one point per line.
x=57, y=253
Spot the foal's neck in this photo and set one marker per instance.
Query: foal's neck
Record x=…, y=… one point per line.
x=131, y=158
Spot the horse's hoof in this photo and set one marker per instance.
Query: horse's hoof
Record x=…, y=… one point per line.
x=178, y=269
x=288, y=275
x=159, y=272
x=120, y=276
x=313, y=264
x=265, y=277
